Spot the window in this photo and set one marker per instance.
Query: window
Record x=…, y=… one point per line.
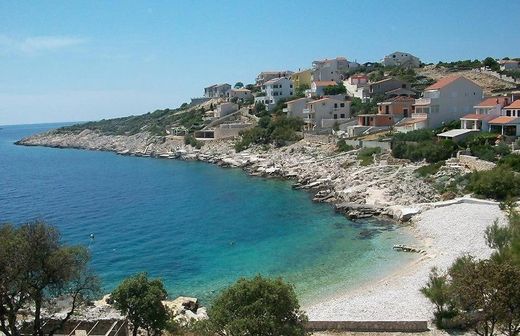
x=342, y=115
x=335, y=105
x=290, y=93
x=290, y=86
x=335, y=116
x=387, y=109
x=342, y=105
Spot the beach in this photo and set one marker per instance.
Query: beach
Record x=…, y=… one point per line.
x=445, y=233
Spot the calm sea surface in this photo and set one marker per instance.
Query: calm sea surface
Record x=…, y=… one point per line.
x=197, y=226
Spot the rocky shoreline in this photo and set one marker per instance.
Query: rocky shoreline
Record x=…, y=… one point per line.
x=388, y=187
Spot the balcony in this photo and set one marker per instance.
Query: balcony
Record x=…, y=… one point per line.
x=306, y=111
x=423, y=101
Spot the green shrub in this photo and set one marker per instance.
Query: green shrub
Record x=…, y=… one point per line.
x=366, y=155
x=512, y=161
x=190, y=140
x=499, y=183
x=430, y=169
x=431, y=151
x=343, y=147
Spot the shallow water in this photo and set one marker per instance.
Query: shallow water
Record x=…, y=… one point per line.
x=197, y=226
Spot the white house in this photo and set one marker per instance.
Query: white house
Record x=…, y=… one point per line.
x=217, y=90
x=295, y=107
x=448, y=99
x=485, y=111
x=331, y=70
x=357, y=86
x=509, y=65
x=241, y=94
x=317, y=88
x=403, y=59
x=325, y=112
x=265, y=76
x=274, y=90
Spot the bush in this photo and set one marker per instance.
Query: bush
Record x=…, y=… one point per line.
x=334, y=89
x=499, y=183
x=190, y=140
x=257, y=306
x=430, y=169
x=512, y=161
x=431, y=151
x=418, y=135
x=366, y=155
x=343, y=147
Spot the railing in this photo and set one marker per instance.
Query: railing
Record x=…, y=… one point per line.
x=423, y=101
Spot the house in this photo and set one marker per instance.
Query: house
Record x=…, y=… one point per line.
x=295, y=107
x=484, y=112
x=217, y=90
x=301, y=78
x=509, y=122
x=357, y=86
x=401, y=59
x=317, y=87
x=509, y=65
x=512, y=110
x=388, y=113
x=383, y=86
x=456, y=135
x=224, y=109
x=325, y=112
x=274, y=90
x=448, y=99
x=265, y=76
x=240, y=94
x=331, y=69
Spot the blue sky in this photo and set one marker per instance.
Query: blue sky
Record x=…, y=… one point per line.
x=88, y=60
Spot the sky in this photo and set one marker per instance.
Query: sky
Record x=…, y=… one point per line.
x=90, y=60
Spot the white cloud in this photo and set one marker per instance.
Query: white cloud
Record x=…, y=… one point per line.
x=35, y=44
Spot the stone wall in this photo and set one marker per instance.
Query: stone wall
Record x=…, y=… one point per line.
x=369, y=144
x=474, y=163
x=368, y=326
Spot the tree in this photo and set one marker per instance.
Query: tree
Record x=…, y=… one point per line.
x=139, y=298
x=239, y=85
x=437, y=291
x=257, y=306
x=332, y=90
x=491, y=63
x=36, y=269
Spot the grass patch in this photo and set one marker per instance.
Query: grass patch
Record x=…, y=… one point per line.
x=366, y=155
x=430, y=169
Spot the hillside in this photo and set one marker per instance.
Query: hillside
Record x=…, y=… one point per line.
x=155, y=123
x=489, y=83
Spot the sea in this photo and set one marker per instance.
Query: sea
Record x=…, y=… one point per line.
x=195, y=225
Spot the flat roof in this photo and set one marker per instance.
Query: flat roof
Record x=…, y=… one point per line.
x=455, y=133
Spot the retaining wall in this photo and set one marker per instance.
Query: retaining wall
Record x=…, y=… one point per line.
x=369, y=144
x=368, y=326
x=474, y=163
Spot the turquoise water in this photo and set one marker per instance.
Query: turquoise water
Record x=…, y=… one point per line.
x=197, y=226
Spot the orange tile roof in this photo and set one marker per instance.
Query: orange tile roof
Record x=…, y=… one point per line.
x=479, y=117
x=492, y=101
x=514, y=105
x=325, y=83
x=443, y=82
x=505, y=120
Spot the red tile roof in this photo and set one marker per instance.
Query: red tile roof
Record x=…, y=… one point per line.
x=443, y=82
x=505, y=120
x=473, y=116
x=514, y=105
x=492, y=101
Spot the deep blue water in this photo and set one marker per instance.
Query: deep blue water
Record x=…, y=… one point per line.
x=197, y=226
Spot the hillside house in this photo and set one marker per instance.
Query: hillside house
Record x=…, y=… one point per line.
x=331, y=69
x=295, y=107
x=357, y=86
x=301, y=78
x=265, y=76
x=240, y=94
x=484, y=112
x=224, y=109
x=508, y=123
x=274, y=90
x=448, y=99
x=401, y=59
x=325, y=112
x=510, y=65
x=388, y=86
x=317, y=88
x=217, y=91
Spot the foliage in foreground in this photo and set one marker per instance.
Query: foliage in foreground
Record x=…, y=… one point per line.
x=36, y=268
x=482, y=295
x=276, y=129
x=257, y=306
x=139, y=298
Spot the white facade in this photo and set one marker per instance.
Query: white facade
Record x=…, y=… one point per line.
x=295, y=107
x=448, y=99
x=331, y=70
x=224, y=109
x=318, y=86
x=275, y=90
x=509, y=65
x=399, y=58
x=323, y=113
x=242, y=94
x=217, y=90
x=265, y=76
x=357, y=86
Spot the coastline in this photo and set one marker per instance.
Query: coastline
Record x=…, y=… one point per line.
x=387, y=188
